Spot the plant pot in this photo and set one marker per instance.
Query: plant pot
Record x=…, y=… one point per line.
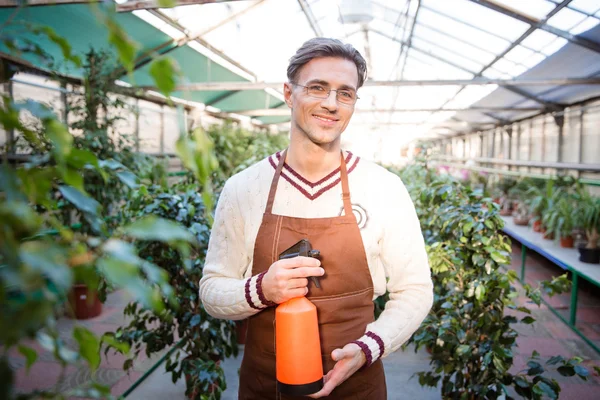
x=548, y=235
x=506, y=212
x=84, y=303
x=566, y=242
x=241, y=330
x=589, y=256
x=537, y=226
x=521, y=221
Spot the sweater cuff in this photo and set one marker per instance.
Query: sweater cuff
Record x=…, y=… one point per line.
x=254, y=294
x=372, y=345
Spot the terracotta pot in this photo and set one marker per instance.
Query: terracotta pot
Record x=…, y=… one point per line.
x=566, y=242
x=506, y=212
x=521, y=221
x=84, y=303
x=548, y=236
x=537, y=226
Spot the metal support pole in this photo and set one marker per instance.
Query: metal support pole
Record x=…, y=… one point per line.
x=63, y=98
x=481, y=145
x=492, y=150
x=560, y=121
x=543, y=142
x=137, y=125
x=523, y=257
x=464, y=142
x=8, y=87
x=574, y=292
x=580, y=151
x=162, y=129
x=509, y=132
x=518, y=152
x=530, y=143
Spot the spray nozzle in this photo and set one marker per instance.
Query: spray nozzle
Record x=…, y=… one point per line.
x=302, y=248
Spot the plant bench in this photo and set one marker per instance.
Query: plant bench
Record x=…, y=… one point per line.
x=567, y=259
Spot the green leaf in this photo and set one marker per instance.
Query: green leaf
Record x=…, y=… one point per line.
x=126, y=48
x=82, y=201
x=582, y=371
x=128, y=178
x=467, y=227
x=38, y=110
x=546, y=389
x=30, y=356
x=112, y=341
x=154, y=228
x=164, y=72
x=528, y=320
x=490, y=224
x=111, y=164
x=167, y=3
x=499, y=258
x=463, y=349
x=79, y=158
x=535, y=368
x=48, y=260
x=60, y=137
x=63, y=43
x=89, y=346
x=73, y=178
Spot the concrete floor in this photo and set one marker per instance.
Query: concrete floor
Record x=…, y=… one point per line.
x=399, y=367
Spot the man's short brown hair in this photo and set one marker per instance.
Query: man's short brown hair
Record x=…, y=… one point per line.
x=325, y=47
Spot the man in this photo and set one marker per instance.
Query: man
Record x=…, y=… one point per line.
x=357, y=214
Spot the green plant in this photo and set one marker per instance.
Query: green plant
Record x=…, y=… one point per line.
x=467, y=332
x=41, y=254
x=559, y=218
x=589, y=218
x=203, y=340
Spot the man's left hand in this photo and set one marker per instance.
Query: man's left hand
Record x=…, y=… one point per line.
x=348, y=361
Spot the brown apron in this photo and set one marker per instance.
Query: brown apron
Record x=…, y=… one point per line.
x=344, y=302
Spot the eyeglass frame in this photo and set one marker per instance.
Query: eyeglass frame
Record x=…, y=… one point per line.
x=328, y=94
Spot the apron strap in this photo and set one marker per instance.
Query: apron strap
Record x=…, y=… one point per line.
x=273, y=189
x=343, y=178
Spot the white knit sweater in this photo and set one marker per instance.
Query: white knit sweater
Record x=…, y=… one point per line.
x=388, y=224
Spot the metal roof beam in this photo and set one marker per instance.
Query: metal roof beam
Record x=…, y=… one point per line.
x=311, y=18
x=134, y=5
x=170, y=45
x=281, y=112
x=520, y=92
x=577, y=39
x=515, y=44
x=508, y=83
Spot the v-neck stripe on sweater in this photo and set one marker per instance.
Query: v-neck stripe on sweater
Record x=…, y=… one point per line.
x=313, y=190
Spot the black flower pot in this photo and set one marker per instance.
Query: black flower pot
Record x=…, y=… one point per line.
x=589, y=256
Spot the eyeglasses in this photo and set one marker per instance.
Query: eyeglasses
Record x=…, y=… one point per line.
x=343, y=96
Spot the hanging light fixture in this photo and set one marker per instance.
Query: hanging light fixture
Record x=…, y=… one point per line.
x=356, y=11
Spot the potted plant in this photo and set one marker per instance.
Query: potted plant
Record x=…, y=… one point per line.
x=589, y=217
x=521, y=215
x=560, y=221
x=538, y=202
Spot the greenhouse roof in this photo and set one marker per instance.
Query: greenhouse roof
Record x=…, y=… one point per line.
x=429, y=60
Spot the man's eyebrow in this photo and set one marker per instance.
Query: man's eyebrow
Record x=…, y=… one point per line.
x=325, y=83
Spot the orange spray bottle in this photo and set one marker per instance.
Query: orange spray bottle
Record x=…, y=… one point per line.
x=297, y=342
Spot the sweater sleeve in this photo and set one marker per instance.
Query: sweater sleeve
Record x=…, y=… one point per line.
x=403, y=255
x=225, y=291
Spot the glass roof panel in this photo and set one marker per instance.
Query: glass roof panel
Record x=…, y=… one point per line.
x=534, y=60
x=554, y=46
x=444, y=54
x=480, y=17
x=467, y=33
x=422, y=66
x=538, y=39
x=518, y=54
x=586, y=25
x=470, y=95
x=534, y=8
x=455, y=45
x=588, y=6
x=566, y=19
x=384, y=57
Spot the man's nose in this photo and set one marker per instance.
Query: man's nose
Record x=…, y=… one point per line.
x=330, y=102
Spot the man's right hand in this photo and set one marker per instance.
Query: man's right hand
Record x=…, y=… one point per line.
x=287, y=279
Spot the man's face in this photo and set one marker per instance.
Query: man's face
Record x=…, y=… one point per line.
x=322, y=121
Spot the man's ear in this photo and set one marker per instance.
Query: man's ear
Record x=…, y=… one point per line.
x=287, y=93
